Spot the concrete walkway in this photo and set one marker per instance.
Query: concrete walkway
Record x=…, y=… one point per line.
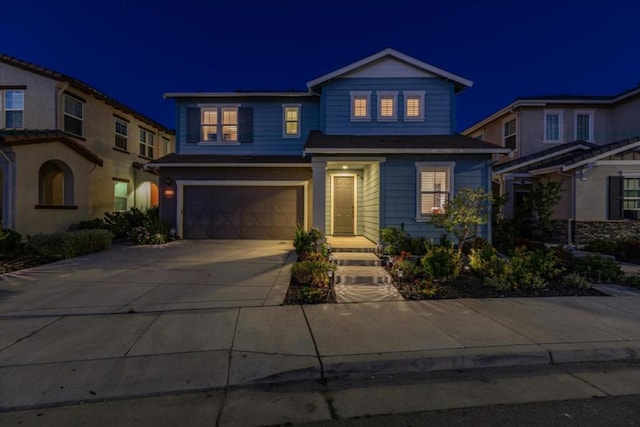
x=93, y=336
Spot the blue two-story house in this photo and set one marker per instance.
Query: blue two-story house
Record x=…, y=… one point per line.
x=368, y=146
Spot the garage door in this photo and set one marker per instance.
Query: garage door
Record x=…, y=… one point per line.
x=240, y=212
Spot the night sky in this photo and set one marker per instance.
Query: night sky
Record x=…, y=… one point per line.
x=136, y=50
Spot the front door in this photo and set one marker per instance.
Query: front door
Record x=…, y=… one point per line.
x=343, y=205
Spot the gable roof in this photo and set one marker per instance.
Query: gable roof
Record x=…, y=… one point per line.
x=552, y=100
x=590, y=156
x=460, y=82
x=317, y=142
x=220, y=160
x=80, y=85
x=550, y=154
x=27, y=137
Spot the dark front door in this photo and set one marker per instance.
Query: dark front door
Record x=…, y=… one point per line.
x=343, y=205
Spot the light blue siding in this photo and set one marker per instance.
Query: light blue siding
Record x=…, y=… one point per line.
x=439, y=96
x=400, y=189
x=267, y=127
x=370, y=208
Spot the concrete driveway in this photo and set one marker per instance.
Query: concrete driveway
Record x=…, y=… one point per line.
x=180, y=275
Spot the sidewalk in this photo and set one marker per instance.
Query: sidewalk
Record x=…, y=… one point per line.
x=53, y=360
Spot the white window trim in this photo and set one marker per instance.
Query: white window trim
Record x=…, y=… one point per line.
x=64, y=113
x=560, y=114
x=504, y=137
x=284, y=120
x=219, y=108
x=414, y=93
x=360, y=94
x=125, y=136
x=146, y=143
x=591, y=114
x=386, y=94
x=3, y=108
x=420, y=166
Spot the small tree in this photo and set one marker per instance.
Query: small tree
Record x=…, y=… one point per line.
x=538, y=206
x=464, y=213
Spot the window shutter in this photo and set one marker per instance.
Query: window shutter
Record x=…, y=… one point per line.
x=245, y=124
x=193, y=125
x=615, y=197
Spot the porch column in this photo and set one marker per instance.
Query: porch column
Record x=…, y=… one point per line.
x=319, y=194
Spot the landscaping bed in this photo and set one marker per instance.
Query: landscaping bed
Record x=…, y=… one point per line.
x=303, y=293
x=8, y=265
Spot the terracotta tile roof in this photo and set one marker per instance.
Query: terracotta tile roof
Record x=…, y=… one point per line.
x=175, y=159
x=381, y=143
x=80, y=85
x=575, y=145
x=27, y=137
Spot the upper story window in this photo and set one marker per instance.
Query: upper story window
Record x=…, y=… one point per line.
x=360, y=106
x=509, y=134
x=147, y=141
x=14, y=109
x=121, y=133
x=553, y=126
x=387, y=106
x=220, y=124
x=584, y=126
x=291, y=120
x=434, y=187
x=73, y=115
x=413, y=105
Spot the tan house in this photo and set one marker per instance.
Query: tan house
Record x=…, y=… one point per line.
x=589, y=143
x=69, y=152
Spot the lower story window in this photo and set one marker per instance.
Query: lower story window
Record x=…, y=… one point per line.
x=434, y=188
x=631, y=198
x=120, y=191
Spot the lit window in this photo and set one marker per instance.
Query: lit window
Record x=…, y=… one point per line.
x=631, y=198
x=584, y=126
x=413, y=105
x=14, y=109
x=147, y=141
x=387, y=106
x=552, y=126
x=291, y=118
x=120, y=191
x=220, y=124
x=73, y=115
x=360, y=106
x=434, y=188
x=510, y=134
x=121, y=133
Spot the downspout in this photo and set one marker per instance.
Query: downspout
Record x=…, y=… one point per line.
x=7, y=221
x=573, y=209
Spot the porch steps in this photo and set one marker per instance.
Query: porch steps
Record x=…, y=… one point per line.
x=359, y=276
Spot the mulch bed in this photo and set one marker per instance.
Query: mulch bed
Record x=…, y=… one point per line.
x=467, y=286
x=301, y=293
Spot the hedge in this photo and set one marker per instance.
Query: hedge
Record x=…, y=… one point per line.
x=71, y=244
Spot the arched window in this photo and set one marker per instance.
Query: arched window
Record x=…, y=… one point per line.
x=56, y=184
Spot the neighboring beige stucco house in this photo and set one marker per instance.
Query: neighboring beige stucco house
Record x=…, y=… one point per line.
x=590, y=143
x=70, y=153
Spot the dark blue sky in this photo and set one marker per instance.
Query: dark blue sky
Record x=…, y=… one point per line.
x=136, y=50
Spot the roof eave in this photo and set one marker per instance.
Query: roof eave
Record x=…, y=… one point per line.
x=407, y=150
x=218, y=164
x=177, y=95
x=398, y=55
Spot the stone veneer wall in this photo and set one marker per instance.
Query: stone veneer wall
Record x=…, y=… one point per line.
x=585, y=231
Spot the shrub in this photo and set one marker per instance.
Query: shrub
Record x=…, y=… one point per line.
x=486, y=262
x=70, y=244
x=602, y=246
x=575, y=280
x=475, y=243
x=90, y=224
x=597, y=268
x=311, y=295
x=410, y=270
x=313, y=273
x=395, y=239
x=533, y=269
x=121, y=223
x=306, y=242
x=442, y=262
x=628, y=250
x=630, y=280
x=10, y=241
x=142, y=236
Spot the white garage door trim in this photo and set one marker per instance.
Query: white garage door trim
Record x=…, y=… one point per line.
x=180, y=184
